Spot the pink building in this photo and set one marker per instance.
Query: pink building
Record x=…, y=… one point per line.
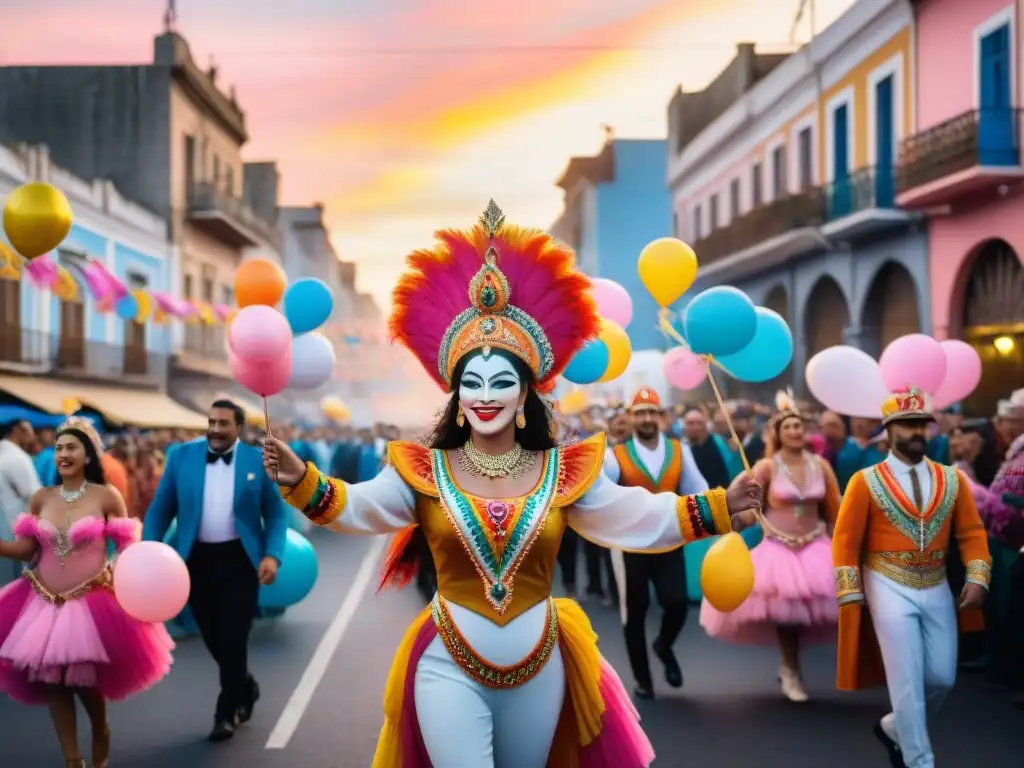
x=963, y=168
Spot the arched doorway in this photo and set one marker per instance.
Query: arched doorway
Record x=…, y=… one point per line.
x=826, y=316
x=993, y=321
x=890, y=309
x=777, y=300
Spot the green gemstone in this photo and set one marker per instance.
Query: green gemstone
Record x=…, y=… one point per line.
x=498, y=591
x=488, y=297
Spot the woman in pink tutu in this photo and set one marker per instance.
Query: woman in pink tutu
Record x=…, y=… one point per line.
x=62, y=632
x=794, y=599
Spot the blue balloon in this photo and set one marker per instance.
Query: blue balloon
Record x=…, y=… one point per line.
x=589, y=364
x=295, y=577
x=720, y=321
x=767, y=354
x=127, y=308
x=308, y=304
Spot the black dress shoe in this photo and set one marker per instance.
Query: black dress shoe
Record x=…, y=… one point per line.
x=673, y=674
x=222, y=730
x=895, y=753
x=245, y=711
x=643, y=692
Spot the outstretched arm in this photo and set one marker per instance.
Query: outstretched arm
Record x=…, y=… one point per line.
x=25, y=544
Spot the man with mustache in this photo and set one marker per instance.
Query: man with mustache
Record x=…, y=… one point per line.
x=660, y=464
x=893, y=534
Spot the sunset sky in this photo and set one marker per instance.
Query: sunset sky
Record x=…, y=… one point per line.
x=403, y=116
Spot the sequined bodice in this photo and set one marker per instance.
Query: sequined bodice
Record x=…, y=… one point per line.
x=70, y=558
x=796, y=511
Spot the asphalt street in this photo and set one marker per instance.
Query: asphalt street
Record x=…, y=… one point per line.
x=730, y=712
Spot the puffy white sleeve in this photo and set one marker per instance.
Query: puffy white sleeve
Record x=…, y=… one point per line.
x=611, y=466
x=385, y=504
x=690, y=479
x=636, y=520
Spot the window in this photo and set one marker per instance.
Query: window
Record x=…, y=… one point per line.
x=187, y=286
x=734, y=199
x=806, y=159
x=713, y=224
x=228, y=295
x=10, y=321
x=229, y=181
x=71, y=345
x=779, y=182
x=216, y=170
x=698, y=216
x=135, y=359
x=190, y=163
x=756, y=190
x=675, y=224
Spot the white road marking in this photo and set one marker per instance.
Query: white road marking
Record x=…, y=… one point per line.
x=317, y=667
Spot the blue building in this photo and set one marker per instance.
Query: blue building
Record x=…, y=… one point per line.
x=615, y=203
x=52, y=349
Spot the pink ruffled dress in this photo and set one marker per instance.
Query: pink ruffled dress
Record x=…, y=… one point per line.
x=793, y=586
x=61, y=624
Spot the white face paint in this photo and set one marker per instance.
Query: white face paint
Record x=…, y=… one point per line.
x=489, y=393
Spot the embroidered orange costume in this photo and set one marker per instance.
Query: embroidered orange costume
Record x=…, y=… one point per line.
x=495, y=671
x=889, y=552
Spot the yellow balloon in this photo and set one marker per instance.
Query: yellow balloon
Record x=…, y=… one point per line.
x=573, y=403
x=667, y=269
x=727, y=573
x=619, y=349
x=37, y=218
x=145, y=304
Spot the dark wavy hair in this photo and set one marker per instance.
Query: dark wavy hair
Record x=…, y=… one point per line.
x=537, y=435
x=94, y=474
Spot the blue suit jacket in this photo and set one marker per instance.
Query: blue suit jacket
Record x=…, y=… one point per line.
x=261, y=517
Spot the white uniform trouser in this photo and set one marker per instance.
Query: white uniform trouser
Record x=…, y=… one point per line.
x=917, y=634
x=468, y=725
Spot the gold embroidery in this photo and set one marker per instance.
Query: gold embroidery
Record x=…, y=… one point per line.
x=104, y=580
x=848, y=586
x=917, y=570
x=483, y=671
x=978, y=572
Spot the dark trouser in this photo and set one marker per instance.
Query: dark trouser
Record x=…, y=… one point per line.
x=224, y=598
x=1015, y=624
x=667, y=572
x=568, y=554
x=599, y=569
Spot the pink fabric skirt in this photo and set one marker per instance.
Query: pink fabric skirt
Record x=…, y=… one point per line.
x=621, y=743
x=89, y=642
x=792, y=587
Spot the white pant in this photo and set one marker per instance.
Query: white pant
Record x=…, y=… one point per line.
x=466, y=724
x=917, y=634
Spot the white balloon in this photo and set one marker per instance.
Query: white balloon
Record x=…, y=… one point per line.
x=848, y=381
x=312, y=361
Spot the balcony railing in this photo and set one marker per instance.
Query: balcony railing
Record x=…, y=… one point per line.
x=230, y=218
x=45, y=353
x=981, y=137
x=861, y=191
x=806, y=209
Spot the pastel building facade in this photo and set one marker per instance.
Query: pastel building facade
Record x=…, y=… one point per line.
x=788, y=190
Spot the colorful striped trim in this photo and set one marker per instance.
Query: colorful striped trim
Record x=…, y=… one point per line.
x=703, y=515
x=317, y=496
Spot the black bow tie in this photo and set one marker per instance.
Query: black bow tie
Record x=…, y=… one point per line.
x=213, y=458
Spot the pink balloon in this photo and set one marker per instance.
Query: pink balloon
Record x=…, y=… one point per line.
x=963, y=373
x=263, y=379
x=613, y=301
x=151, y=581
x=259, y=334
x=683, y=369
x=915, y=360
x=848, y=381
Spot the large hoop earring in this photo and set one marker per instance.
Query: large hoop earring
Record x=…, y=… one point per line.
x=520, y=417
x=460, y=417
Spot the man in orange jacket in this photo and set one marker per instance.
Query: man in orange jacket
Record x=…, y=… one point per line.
x=892, y=536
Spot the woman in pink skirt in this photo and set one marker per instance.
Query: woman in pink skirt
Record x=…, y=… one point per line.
x=62, y=632
x=794, y=598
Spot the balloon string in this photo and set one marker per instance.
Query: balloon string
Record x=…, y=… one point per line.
x=758, y=514
x=266, y=423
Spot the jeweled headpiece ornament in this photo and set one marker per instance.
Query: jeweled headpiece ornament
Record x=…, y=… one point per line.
x=785, y=406
x=494, y=287
x=86, y=428
x=907, y=404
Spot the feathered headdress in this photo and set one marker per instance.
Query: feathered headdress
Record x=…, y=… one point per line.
x=785, y=406
x=86, y=427
x=494, y=287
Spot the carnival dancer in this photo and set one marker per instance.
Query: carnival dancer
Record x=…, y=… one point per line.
x=496, y=672
x=62, y=631
x=793, y=600
x=658, y=464
x=892, y=537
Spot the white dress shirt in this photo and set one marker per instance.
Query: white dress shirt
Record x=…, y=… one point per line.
x=18, y=483
x=691, y=481
x=901, y=471
x=218, y=521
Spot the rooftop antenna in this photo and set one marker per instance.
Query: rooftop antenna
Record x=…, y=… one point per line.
x=171, y=17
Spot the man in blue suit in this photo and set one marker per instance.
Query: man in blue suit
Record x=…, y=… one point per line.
x=232, y=524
